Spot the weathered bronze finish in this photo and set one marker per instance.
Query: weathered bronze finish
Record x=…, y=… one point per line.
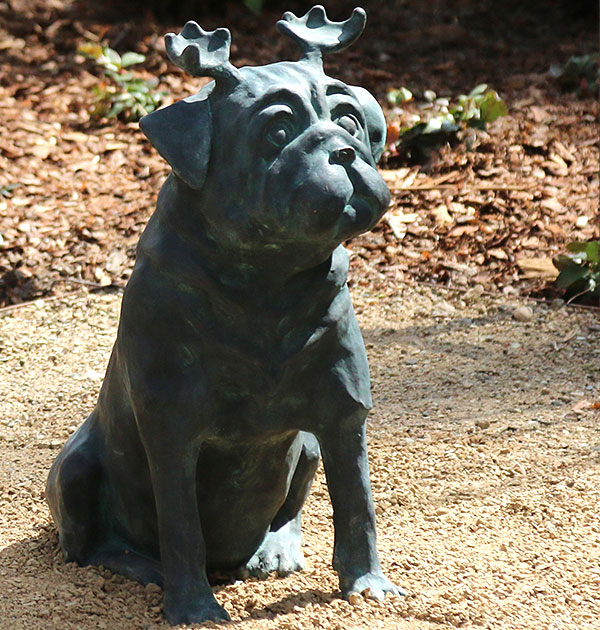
x=238, y=358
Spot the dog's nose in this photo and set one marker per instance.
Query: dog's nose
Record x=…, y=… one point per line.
x=344, y=155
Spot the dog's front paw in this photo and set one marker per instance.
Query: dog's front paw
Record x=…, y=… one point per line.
x=371, y=585
x=197, y=611
x=280, y=552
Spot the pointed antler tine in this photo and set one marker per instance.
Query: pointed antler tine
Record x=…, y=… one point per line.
x=317, y=15
x=316, y=34
x=192, y=30
x=202, y=53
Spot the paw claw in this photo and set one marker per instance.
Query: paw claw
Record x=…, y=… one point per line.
x=280, y=553
x=372, y=586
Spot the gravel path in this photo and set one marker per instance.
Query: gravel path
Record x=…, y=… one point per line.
x=485, y=455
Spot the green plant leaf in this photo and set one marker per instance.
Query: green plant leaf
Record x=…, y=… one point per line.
x=138, y=88
x=478, y=89
x=562, y=261
x=112, y=74
x=399, y=96
x=125, y=77
x=492, y=107
x=593, y=252
x=113, y=56
x=131, y=58
x=122, y=97
x=590, y=249
x=571, y=275
x=434, y=124
x=467, y=108
x=116, y=109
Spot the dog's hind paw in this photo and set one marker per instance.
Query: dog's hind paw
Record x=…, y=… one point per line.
x=280, y=552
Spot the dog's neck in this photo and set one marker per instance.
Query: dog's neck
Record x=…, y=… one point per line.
x=181, y=244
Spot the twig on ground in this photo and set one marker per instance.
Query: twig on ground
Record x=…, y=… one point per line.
x=48, y=298
x=465, y=189
x=94, y=285
x=494, y=294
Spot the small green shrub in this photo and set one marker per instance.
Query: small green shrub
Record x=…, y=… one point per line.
x=581, y=74
x=122, y=94
x=399, y=96
x=478, y=108
x=579, y=270
x=254, y=5
x=441, y=122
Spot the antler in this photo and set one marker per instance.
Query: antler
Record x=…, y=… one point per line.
x=316, y=34
x=203, y=53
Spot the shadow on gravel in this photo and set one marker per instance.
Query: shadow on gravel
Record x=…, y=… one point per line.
x=36, y=581
x=290, y=604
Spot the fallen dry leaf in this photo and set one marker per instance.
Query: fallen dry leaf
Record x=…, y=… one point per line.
x=397, y=226
x=552, y=204
x=441, y=214
x=541, y=267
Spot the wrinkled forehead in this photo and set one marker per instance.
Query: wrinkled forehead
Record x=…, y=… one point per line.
x=304, y=79
x=287, y=81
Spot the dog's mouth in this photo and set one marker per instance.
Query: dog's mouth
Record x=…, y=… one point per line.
x=361, y=213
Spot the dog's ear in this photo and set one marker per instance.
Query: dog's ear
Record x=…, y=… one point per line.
x=376, y=125
x=181, y=133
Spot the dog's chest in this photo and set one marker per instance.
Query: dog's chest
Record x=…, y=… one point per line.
x=265, y=362
x=270, y=370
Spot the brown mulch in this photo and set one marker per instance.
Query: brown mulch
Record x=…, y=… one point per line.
x=76, y=193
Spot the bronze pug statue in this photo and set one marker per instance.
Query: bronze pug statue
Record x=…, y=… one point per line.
x=237, y=344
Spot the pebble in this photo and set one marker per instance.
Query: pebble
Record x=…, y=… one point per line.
x=443, y=309
x=473, y=294
x=523, y=314
x=482, y=423
x=153, y=589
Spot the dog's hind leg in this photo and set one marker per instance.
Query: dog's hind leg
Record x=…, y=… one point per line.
x=281, y=550
x=73, y=493
x=132, y=565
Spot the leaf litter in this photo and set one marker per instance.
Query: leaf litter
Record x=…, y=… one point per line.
x=73, y=190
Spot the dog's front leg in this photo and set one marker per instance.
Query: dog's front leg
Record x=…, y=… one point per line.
x=188, y=597
x=355, y=550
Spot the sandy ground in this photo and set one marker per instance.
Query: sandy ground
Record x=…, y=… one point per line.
x=485, y=455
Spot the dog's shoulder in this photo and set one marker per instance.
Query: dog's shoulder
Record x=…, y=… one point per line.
x=239, y=324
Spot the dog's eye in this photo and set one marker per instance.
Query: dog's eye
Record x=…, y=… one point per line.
x=279, y=133
x=349, y=123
